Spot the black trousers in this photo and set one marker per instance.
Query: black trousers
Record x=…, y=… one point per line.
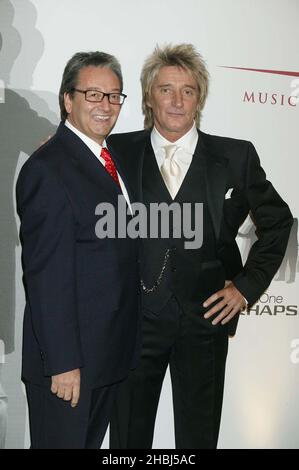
x=54, y=424
x=196, y=353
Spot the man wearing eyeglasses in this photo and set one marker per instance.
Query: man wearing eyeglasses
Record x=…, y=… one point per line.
x=81, y=315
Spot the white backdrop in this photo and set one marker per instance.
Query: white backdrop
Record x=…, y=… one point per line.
x=37, y=38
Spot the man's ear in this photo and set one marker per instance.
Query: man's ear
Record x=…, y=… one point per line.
x=197, y=112
x=68, y=104
x=148, y=101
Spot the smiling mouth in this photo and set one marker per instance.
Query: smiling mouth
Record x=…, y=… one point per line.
x=100, y=117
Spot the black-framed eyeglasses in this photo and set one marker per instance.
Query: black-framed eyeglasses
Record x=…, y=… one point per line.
x=96, y=96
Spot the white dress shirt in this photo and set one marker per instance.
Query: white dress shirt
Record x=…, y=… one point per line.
x=96, y=149
x=185, y=148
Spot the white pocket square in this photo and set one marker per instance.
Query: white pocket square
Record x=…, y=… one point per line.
x=228, y=194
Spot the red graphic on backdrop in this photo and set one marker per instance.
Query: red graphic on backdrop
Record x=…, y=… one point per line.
x=265, y=97
x=273, y=72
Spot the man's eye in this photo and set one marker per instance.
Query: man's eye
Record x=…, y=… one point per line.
x=165, y=91
x=94, y=95
x=189, y=92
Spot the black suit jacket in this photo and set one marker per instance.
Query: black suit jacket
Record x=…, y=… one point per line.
x=81, y=291
x=236, y=185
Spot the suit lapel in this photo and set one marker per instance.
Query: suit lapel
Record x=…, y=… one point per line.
x=130, y=160
x=152, y=181
x=216, y=174
x=123, y=172
x=86, y=160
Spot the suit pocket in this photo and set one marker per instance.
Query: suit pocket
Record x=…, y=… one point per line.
x=215, y=263
x=213, y=280
x=212, y=276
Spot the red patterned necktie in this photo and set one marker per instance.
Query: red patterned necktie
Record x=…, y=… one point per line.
x=109, y=164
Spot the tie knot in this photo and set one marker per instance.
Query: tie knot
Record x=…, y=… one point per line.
x=105, y=154
x=169, y=151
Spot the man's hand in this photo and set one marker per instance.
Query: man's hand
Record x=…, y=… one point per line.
x=67, y=386
x=232, y=301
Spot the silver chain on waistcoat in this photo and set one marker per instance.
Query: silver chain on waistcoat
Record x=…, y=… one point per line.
x=148, y=290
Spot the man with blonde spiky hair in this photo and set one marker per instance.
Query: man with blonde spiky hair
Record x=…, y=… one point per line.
x=192, y=297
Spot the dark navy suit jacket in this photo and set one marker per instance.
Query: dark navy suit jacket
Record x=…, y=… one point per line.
x=81, y=291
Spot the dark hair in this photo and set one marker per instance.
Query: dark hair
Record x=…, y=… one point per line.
x=78, y=62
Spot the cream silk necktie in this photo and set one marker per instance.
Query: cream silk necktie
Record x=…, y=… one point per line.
x=171, y=171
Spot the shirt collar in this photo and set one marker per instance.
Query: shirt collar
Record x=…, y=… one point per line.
x=91, y=144
x=187, y=142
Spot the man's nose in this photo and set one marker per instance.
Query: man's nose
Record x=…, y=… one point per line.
x=177, y=99
x=105, y=104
